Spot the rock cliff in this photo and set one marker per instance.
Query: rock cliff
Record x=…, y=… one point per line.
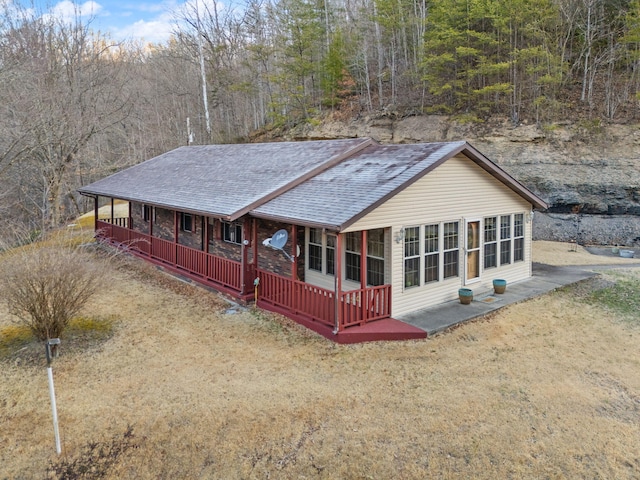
x=588, y=172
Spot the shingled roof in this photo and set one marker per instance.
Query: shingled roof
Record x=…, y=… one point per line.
x=330, y=183
x=224, y=180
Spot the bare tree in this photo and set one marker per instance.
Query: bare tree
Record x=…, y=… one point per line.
x=46, y=286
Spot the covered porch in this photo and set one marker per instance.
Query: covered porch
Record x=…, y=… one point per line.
x=343, y=316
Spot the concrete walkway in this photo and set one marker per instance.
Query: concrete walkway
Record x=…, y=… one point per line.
x=546, y=278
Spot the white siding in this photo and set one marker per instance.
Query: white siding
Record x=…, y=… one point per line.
x=456, y=190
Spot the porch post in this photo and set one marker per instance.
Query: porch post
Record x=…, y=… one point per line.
x=363, y=259
x=254, y=232
x=95, y=213
x=130, y=219
x=244, y=286
x=111, y=210
x=205, y=247
x=175, y=236
x=294, y=249
x=338, y=280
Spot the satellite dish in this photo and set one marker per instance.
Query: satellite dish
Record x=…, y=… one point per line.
x=279, y=239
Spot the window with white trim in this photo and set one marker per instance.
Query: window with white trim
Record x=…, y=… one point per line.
x=330, y=255
x=411, y=257
x=451, y=249
x=518, y=237
x=321, y=251
x=505, y=239
x=375, y=257
x=431, y=253
x=315, y=249
x=232, y=232
x=352, y=256
x=490, y=242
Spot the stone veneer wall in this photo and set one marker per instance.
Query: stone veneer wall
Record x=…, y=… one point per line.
x=273, y=260
x=220, y=248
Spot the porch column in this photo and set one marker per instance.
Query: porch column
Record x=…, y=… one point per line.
x=338, y=281
x=130, y=219
x=363, y=259
x=95, y=213
x=244, y=268
x=111, y=210
x=294, y=249
x=176, y=230
x=205, y=223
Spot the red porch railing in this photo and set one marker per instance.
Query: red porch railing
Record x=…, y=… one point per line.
x=365, y=305
x=299, y=298
x=211, y=268
x=357, y=307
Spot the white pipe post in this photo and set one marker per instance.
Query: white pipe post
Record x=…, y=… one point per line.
x=54, y=410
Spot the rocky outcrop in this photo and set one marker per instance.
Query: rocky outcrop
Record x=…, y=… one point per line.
x=580, y=169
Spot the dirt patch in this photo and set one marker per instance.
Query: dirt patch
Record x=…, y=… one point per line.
x=547, y=388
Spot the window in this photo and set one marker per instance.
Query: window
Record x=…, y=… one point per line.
x=315, y=249
x=431, y=253
x=411, y=257
x=490, y=242
x=330, y=258
x=186, y=222
x=375, y=257
x=352, y=256
x=321, y=248
x=451, y=249
x=146, y=212
x=518, y=237
x=505, y=239
x=232, y=232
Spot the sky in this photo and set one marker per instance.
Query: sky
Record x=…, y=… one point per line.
x=151, y=22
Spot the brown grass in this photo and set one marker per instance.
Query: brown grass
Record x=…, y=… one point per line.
x=549, y=388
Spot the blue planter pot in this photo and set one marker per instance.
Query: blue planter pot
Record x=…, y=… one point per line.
x=499, y=286
x=465, y=295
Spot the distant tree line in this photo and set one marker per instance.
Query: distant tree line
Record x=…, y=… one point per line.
x=75, y=105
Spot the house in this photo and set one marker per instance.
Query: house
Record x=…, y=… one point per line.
x=343, y=236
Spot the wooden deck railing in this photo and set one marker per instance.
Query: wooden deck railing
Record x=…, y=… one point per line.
x=357, y=307
x=299, y=298
x=196, y=262
x=365, y=305
x=317, y=304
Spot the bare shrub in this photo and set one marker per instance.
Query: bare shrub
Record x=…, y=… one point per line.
x=46, y=284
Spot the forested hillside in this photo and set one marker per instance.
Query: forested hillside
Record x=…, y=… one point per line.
x=76, y=105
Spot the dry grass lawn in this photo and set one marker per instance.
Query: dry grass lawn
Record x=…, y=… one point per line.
x=548, y=388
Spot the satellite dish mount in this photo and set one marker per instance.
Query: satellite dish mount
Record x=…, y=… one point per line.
x=278, y=241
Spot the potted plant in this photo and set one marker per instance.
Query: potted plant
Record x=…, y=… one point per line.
x=465, y=295
x=499, y=286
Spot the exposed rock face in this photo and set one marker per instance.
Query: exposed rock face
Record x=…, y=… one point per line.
x=579, y=169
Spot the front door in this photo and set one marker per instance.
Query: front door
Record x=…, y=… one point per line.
x=472, y=252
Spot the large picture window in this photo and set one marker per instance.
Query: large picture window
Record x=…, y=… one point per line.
x=431, y=253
